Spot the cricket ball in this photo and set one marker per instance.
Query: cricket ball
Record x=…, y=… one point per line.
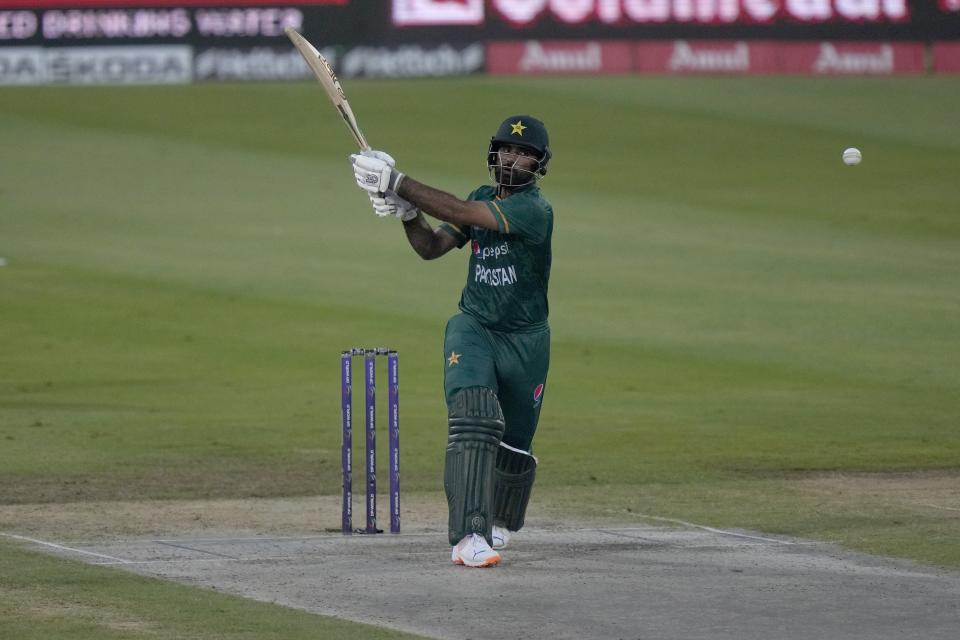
x=852, y=156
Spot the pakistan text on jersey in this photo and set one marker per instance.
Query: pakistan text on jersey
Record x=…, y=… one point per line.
x=495, y=277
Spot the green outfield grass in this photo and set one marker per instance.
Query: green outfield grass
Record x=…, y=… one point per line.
x=735, y=313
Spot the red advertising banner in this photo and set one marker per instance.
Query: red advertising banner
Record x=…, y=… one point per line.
x=406, y=13
x=706, y=57
x=852, y=58
x=946, y=57
x=522, y=13
x=535, y=57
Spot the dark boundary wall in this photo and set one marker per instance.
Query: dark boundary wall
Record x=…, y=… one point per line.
x=244, y=23
x=175, y=42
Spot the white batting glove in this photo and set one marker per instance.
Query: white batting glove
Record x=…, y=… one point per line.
x=374, y=174
x=393, y=205
x=380, y=155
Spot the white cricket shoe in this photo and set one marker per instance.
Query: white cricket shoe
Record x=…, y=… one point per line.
x=501, y=537
x=473, y=551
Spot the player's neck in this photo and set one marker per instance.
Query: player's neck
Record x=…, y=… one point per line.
x=504, y=191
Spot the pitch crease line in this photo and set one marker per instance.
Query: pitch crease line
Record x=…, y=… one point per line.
x=937, y=506
x=197, y=560
x=712, y=529
x=209, y=553
x=338, y=538
x=65, y=548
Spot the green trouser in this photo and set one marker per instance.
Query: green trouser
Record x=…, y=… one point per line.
x=513, y=365
x=494, y=384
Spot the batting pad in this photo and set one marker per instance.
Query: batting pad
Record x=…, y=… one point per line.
x=475, y=428
x=513, y=479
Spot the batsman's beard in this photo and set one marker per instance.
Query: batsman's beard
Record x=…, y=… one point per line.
x=511, y=175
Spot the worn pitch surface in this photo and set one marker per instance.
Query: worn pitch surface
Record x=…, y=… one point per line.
x=636, y=582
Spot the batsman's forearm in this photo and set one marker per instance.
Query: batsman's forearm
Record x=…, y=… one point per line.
x=422, y=237
x=439, y=204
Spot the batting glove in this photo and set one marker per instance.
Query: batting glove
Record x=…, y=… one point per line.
x=393, y=205
x=380, y=155
x=374, y=174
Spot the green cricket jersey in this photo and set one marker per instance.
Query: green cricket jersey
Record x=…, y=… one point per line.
x=509, y=268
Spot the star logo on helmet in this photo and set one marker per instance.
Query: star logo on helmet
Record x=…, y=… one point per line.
x=517, y=127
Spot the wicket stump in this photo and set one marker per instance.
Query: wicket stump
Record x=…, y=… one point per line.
x=370, y=428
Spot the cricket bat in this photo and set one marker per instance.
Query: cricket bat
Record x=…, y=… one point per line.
x=328, y=80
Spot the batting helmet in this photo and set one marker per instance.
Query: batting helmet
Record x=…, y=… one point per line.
x=525, y=131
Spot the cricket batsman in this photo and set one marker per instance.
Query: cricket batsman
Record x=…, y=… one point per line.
x=497, y=348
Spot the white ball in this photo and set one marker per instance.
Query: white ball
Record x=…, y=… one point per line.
x=852, y=156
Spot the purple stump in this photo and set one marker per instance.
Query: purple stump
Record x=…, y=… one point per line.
x=393, y=374
x=370, y=364
x=346, y=446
